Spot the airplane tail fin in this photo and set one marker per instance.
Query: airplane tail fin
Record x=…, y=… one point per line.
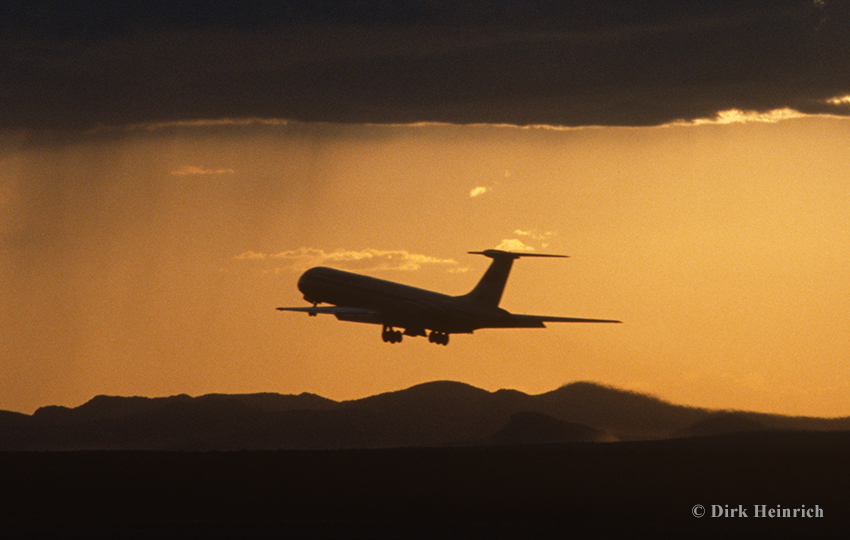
x=489, y=290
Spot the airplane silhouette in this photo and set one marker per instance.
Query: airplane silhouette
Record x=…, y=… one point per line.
x=364, y=299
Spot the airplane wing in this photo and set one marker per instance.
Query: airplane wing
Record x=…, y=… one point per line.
x=571, y=319
x=329, y=310
x=538, y=320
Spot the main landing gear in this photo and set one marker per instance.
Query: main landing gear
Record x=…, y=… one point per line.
x=394, y=336
x=391, y=336
x=440, y=338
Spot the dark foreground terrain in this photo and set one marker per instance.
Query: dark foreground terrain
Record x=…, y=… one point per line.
x=576, y=490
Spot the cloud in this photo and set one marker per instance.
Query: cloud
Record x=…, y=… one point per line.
x=534, y=234
x=839, y=100
x=203, y=123
x=251, y=256
x=512, y=244
x=560, y=64
x=364, y=260
x=192, y=170
x=735, y=116
x=478, y=191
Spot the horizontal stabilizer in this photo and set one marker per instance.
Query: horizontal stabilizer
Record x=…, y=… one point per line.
x=498, y=253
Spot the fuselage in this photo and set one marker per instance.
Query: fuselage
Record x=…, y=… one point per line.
x=398, y=305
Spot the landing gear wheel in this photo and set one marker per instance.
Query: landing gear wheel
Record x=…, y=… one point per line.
x=391, y=336
x=440, y=338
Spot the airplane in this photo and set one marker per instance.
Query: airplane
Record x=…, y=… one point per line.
x=364, y=299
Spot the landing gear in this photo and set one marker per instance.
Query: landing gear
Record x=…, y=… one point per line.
x=391, y=336
x=440, y=338
x=394, y=336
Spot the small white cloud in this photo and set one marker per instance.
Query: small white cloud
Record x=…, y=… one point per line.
x=512, y=244
x=839, y=100
x=190, y=170
x=364, y=260
x=250, y=255
x=480, y=190
x=737, y=116
x=534, y=234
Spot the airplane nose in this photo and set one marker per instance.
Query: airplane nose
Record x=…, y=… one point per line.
x=306, y=284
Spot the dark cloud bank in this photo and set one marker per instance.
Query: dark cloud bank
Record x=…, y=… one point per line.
x=590, y=62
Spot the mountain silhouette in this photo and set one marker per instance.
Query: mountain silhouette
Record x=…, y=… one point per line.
x=434, y=414
x=627, y=415
x=536, y=428
x=724, y=422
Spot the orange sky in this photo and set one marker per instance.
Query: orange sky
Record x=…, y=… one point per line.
x=149, y=261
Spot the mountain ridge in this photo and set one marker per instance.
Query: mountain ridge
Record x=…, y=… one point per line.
x=431, y=414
